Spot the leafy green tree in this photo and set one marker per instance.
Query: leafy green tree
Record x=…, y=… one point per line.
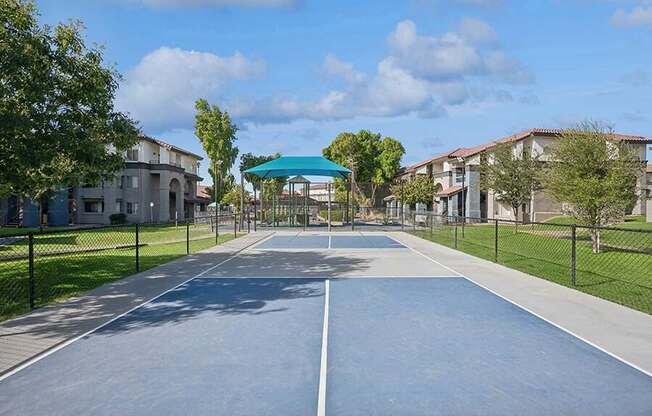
x=58, y=125
x=249, y=160
x=372, y=158
x=225, y=187
x=512, y=177
x=233, y=197
x=217, y=134
x=420, y=190
x=597, y=177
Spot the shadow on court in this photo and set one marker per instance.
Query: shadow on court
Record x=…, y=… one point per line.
x=215, y=298
x=298, y=264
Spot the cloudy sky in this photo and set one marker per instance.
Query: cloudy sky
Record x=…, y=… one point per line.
x=435, y=74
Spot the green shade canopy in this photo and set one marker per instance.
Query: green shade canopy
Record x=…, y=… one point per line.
x=299, y=165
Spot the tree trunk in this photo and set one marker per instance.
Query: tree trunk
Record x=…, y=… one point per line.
x=515, y=209
x=595, y=240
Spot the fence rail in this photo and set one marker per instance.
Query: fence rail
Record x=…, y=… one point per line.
x=38, y=268
x=609, y=262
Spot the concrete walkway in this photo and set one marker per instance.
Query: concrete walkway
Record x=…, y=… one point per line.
x=27, y=336
x=618, y=330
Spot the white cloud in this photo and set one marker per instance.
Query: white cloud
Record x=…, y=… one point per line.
x=217, y=3
x=639, y=16
x=161, y=90
x=426, y=76
x=334, y=67
x=476, y=31
x=422, y=75
x=455, y=54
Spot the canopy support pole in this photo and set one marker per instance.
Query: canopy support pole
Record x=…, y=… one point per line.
x=241, y=199
x=329, y=206
x=352, y=200
x=255, y=208
x=305, y=206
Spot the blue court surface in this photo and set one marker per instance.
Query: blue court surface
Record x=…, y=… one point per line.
x=326, y=242
x=395, y=346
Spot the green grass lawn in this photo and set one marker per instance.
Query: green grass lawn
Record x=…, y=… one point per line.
x=634, y=222
x=621, y=272
x=58, y=277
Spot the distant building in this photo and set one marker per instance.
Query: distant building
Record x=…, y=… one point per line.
x=450, y=169
x=319, y=192
x=158, y=183
x=203, y=200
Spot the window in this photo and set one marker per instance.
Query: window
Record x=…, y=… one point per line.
x=127, y=182
x=94, y=206
x=459, y=175
x=132, y=154
x=118, y=205
x=132, y=207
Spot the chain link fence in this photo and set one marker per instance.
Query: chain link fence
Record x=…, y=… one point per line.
x=608, y=262
x=43, y=267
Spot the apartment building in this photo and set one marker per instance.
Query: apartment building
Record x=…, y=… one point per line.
x=157, y=184
x=457, y=178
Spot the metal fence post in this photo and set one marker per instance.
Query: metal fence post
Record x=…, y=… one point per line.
x=414, y=221
x=496, y=242
x=456, y=233
x=402, y=208
x=235, y=225
x=137, y=248
x=432, y=219
x=187, y=236
x=31, y=271
x=573, y=253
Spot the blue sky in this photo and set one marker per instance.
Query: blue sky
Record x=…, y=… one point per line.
x=434, y=74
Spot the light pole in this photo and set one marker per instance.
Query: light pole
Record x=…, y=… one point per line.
x=461, y=160
x=151, y=211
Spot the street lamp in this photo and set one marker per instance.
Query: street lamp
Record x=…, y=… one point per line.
x=461, y=160
x=151, y=211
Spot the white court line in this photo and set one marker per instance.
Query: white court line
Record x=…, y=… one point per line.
x=323, y=368
x=568, y=331
x=64, y=344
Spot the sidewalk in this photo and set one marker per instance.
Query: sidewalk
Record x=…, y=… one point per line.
x=29, y=335
x=620, y=331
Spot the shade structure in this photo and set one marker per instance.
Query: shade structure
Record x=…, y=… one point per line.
x=299, y=165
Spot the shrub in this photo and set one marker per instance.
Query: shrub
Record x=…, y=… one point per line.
x=118, y=218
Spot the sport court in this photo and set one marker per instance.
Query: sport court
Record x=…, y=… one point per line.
x=339, y=324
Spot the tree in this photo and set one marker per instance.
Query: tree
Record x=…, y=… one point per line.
x=372, y=158
x=420, y=190
x=225, y=187
x=233, y=197
x=512, y=177
x=58, y=125
x=216, y=133
x=596, y=176
x=249, y=160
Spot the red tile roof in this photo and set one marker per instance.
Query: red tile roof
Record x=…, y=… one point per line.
x=432, y=159
x=201, y=192
x=450, y=191
x=471, y=151
x=169, y=146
